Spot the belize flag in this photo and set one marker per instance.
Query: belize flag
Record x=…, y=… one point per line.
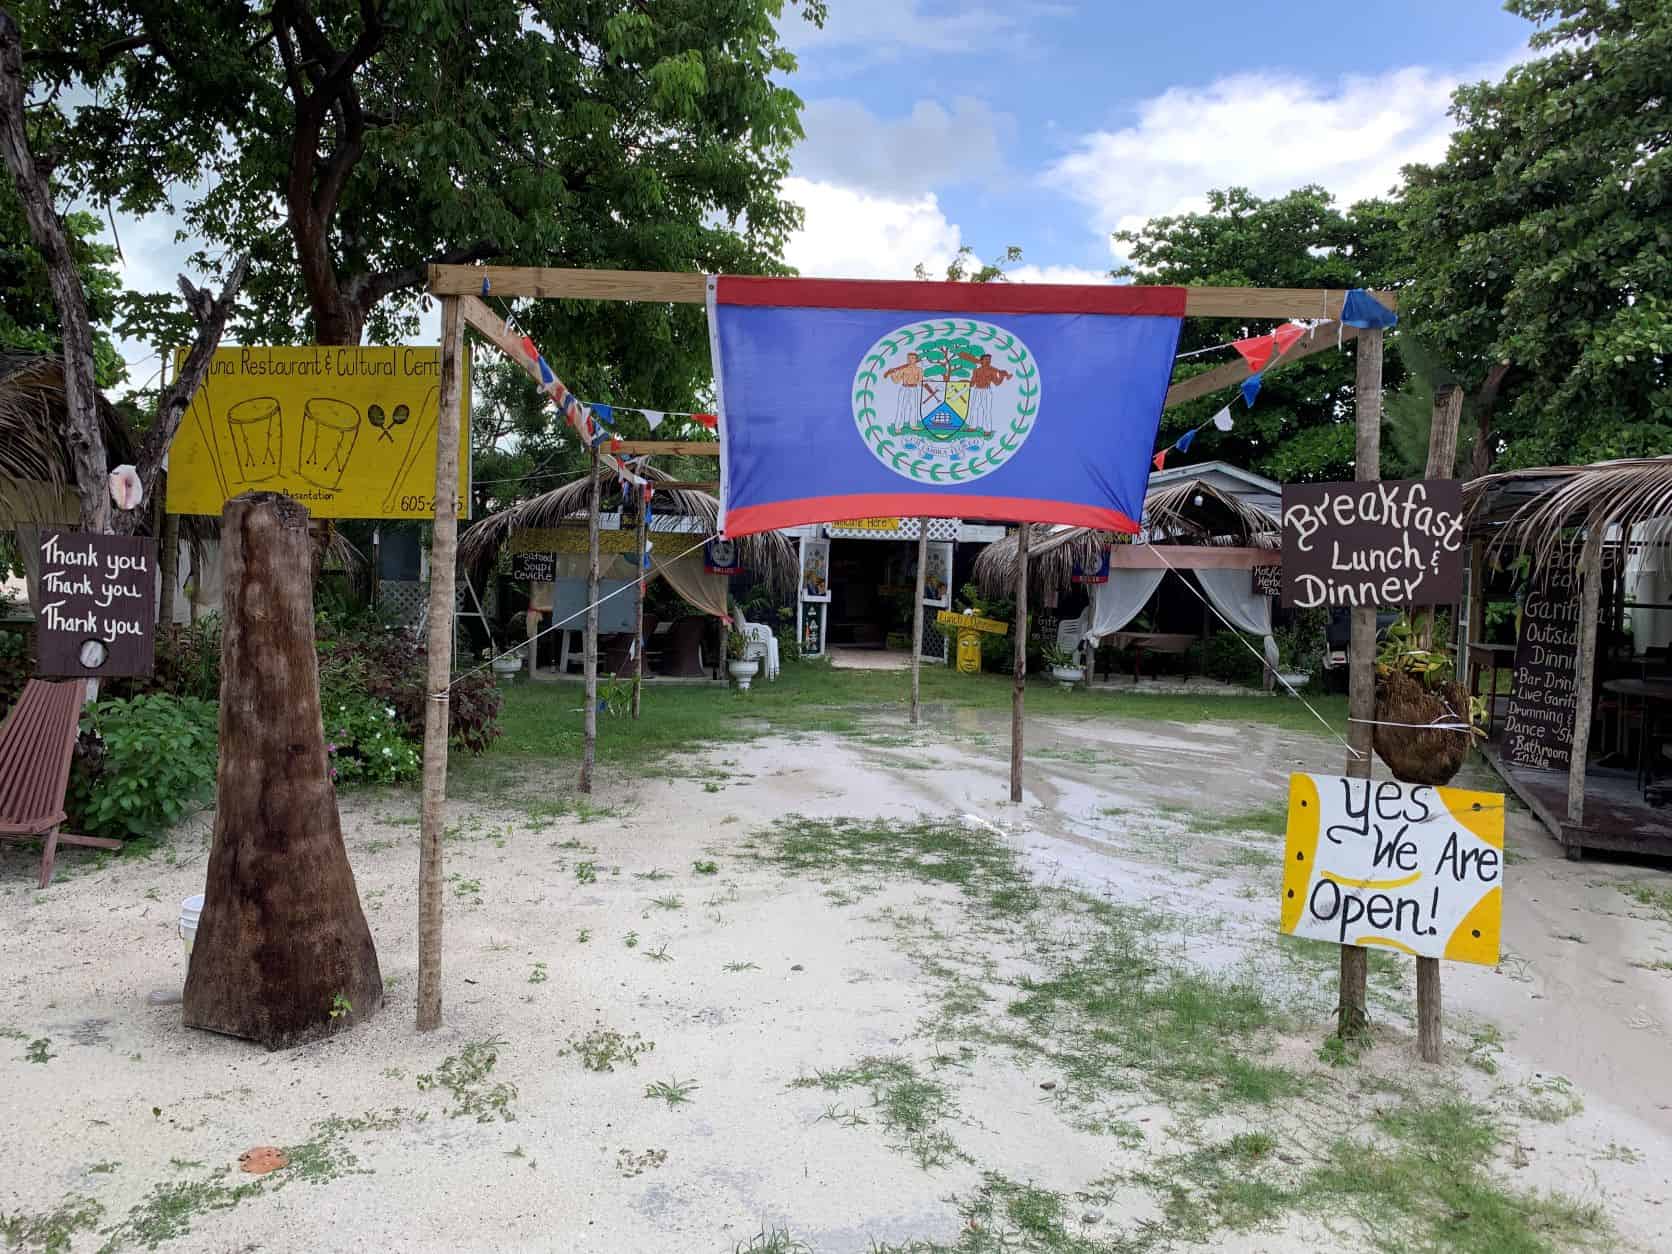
x=860, y=399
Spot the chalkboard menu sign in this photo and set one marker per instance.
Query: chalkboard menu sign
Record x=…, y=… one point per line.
x=98, y=604
x=538, y=567
x=1268, y=580
x=1538, y=730
x=1372, y=544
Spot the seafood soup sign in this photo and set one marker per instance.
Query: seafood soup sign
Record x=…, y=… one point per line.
x=349, y=431
x=1401, y=866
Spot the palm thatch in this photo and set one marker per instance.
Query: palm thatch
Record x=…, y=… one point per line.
x=1191, y=511
x=767, y=555
x=1528, y=511
x=35, y=464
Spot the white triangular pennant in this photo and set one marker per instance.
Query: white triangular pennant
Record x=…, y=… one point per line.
x=1223, y=421
x=653, y=417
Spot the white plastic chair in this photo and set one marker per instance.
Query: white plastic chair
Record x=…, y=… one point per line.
x=1071, y=635
x=762, y=645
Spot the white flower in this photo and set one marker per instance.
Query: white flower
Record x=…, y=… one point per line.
x=385, y=750
x=389, y=710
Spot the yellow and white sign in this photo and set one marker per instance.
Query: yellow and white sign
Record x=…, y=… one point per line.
x=971, y=622
x=1403, y=866
x=348, y=431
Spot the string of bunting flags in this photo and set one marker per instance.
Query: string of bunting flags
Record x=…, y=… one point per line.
x=1359, y=309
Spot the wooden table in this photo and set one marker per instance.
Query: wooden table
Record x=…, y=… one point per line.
x=1141, y=642
x=1487, y=655
x=1645, y=690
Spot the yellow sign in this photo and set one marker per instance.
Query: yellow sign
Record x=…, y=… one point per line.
x=971, y=622
x=1400, y=866
x=969, y=652
x=348, y=431
x=870, y=524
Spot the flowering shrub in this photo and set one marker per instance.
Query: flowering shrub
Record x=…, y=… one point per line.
x=390, y=667
x=158, y=763
x=366, y=743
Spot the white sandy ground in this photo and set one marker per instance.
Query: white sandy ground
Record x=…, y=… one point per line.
x=127, y=1085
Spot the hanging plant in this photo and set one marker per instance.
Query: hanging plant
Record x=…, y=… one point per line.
x=1425, y=719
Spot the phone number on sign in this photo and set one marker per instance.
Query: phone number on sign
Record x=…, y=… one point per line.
x=425, y=504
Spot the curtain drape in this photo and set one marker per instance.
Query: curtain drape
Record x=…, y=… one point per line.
x=1118, y=602
x=1232, y=594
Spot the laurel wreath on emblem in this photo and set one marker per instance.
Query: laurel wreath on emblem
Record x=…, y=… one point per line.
x=1005, y=441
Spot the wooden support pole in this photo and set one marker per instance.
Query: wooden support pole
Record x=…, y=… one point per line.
x=638, y=631
x=1442, y=462
x=168, y=565
x=917, y=624
x=1352, y=1017
x=1590, y=570
x=589, y=748
x=443, y=563
x=1018, y=693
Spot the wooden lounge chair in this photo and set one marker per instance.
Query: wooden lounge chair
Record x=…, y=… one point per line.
x=37, y=741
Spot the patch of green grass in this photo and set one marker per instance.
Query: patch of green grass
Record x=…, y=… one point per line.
x=655, y=873
x=631, y=940
x=772, y=1241
x=465, y=1076
x=673, y=1092
x=586, y=872
x=659, y=954
x=53, y=1231
x=1657, y=965
x=538, y=974
x=601, y=1048
x=1272, y=819
x=910, y=1107
x=705, y=866
x=37, y=1050
x=1548, y=1099
x=878, y=851
x=740, y=966
x=673, y=901
x=1654, y=898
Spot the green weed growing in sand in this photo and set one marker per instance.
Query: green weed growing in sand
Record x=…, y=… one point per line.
x=37, y=1051
x=53, y=1231
x=772, y=1241
x=601, y=1048
x=659, y=954
x=465, y=1076
x=705, y=866
x=673, y=1092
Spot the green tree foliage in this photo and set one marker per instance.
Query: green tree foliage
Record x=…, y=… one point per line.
x=1301, y=425
x=28, y=318
x=348, y=143
x=1545, y=237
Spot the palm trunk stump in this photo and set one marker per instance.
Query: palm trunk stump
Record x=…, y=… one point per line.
x=283, y=954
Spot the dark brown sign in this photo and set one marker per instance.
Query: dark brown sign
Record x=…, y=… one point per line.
x=1538, y=730
x=98, y=604
x=539, y=567
x=1268, y=580
x=1373, y=544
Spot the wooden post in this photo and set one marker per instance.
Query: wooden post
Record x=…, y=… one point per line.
x=644, y=541
x=443, y=564
x=168, y=567
x=282, y=937
x=1352, y=1018
x=1590, y=570
x=917, y=623
x=589, y=749
x=1017, y=695
x=1442, y=460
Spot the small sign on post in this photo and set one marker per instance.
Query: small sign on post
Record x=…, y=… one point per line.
x=98, y=604
x=1267, y=580
x=535, y=567
x=1373, y=543
x=1399, y=866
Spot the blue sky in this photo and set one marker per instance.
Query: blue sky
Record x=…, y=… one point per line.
x=1049, y=123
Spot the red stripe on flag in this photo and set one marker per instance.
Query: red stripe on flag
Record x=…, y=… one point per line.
x=748, y=519
x=975, y=298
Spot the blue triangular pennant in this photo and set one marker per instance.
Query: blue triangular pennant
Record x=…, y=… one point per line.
x=1184, y=441
x=1364, y=311
x=1250, y=389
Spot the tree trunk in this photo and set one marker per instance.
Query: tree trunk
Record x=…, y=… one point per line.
x=168, y=565
x=283, y=954
x=917, y=624
x=85, y=436
x=1018, y=694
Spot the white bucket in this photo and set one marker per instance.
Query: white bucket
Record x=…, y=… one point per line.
x=190, y=910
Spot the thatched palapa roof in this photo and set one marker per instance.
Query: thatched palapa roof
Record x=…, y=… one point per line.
x=768, y=555
x=37, y=477
x=1191, y=511
x=1527, y=511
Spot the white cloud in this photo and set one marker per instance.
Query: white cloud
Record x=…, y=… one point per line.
x=851, y=234
x=847, y=143
x=1267, y=132
x=885, y=30
x=1056, y=274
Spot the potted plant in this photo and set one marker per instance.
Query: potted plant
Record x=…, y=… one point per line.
x=506, y=665
x=739, y=665
x=1425, y=721
x=1065, y=666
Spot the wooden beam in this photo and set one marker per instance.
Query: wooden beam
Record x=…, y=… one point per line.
x=1189, y=557
x=674, y=448
x=1234, y=372
x=709, y=485
x=691, y=289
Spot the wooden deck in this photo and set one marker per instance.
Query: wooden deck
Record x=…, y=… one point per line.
x=1616, y=816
